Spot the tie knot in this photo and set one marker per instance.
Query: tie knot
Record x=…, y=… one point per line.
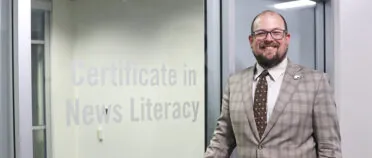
x=264, y=74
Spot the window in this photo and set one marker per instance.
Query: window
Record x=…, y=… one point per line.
x=39, y=49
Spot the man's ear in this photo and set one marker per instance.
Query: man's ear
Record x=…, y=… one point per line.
x=250, y=39
x=288, y=36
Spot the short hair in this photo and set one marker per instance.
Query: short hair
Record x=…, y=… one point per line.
x=269, y=11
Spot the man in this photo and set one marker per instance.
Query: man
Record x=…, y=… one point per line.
x=276, y=109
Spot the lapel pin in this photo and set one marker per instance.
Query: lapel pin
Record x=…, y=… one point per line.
x=296, y=77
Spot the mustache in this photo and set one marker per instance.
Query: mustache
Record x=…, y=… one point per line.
x=269, y=44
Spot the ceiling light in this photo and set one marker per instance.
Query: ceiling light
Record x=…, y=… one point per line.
x=295, y=4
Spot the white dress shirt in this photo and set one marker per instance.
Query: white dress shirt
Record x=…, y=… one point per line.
x=274, y=81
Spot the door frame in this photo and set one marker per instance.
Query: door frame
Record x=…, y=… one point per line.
x=22, y=79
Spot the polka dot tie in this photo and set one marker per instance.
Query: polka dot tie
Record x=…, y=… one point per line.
x=260, y=100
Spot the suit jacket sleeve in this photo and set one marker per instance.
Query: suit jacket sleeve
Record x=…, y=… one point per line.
x=326, y=125
x=223, y=140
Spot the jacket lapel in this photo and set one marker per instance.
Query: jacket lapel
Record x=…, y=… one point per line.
x=289, y=85
x=248, y=99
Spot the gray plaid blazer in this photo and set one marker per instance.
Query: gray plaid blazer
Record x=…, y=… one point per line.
x=304, y=123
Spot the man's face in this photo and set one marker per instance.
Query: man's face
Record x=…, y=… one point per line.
x=271, y=49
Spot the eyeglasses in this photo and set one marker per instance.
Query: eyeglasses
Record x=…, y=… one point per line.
x=275, y=34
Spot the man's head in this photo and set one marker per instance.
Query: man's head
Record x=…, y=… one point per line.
x=269, y=38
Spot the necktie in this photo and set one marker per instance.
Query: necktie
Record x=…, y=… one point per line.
x=260, y=100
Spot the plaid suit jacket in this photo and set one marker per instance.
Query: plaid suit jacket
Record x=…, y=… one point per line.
x=304, y=123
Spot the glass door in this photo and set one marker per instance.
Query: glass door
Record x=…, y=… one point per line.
x=118, y=78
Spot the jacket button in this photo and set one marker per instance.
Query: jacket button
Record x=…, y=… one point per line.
x=260, y=147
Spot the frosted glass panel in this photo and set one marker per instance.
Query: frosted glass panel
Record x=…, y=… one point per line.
x=127, y=78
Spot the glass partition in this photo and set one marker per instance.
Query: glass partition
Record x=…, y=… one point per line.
x=119, y=78
x=127, y=78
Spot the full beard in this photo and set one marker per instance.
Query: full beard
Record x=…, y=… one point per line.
x=269, y=63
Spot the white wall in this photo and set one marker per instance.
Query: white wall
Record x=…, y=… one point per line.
x=100, y=35
x=353, y=75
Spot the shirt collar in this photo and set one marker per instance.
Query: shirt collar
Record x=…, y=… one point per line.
x=275, y=72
